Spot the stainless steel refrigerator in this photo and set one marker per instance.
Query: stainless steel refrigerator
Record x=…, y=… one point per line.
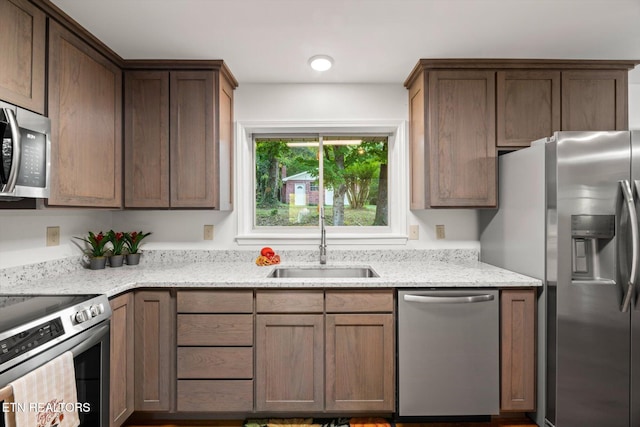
x=567, y=216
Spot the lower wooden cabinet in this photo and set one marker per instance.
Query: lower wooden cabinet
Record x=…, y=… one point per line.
x=154, y=351
x=286, y=351
x=336, y=357
x=121, y=377
x=215, y=351
x=289, y=362
x=518, y=352
x=359, y=361
x=215, y=395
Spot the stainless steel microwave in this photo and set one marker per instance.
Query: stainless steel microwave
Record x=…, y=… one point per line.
x=25, y=162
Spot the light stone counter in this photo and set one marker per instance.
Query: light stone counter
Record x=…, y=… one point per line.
x=236, y=269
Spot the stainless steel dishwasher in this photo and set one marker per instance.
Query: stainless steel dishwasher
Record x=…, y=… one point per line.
x=448, y=352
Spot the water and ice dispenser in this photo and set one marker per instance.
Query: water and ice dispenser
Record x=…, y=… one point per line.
x=592, y=256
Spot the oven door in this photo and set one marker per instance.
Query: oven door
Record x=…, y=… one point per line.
x=91, y=360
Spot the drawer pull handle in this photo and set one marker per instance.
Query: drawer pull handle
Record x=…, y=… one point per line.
x=463, y=299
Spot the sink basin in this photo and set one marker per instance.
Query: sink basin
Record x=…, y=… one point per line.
x=323, y=272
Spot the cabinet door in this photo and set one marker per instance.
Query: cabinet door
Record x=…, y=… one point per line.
x=289, y=362
x=146, y=141
x=85, y=105
x=528, y=106
x=22, y=44
x=193, y=157
x=418, y=170
x=517, y=330
x=360, y=362
x=154, y=351
x=462, y=140
x=121, y=360
x=224, y=173
x=594, y=100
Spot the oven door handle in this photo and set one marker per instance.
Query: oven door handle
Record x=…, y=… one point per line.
x=97, y=335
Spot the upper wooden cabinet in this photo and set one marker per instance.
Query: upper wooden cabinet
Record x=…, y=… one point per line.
x=146, y=125
x=528, y=106
x=178, y=135
x=595, y=100
x=85, y=108
x=452, y=138
x=461, y=111
x=22, y=42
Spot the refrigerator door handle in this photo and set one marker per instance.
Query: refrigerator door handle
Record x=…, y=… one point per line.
x=633, y=219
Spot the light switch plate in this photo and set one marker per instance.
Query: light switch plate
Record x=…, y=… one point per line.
x=53, y=236
x=208, y=232
x=440, y=231
x=414, y=232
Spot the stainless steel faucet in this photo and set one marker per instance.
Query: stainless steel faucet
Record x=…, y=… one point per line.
x=323, y=239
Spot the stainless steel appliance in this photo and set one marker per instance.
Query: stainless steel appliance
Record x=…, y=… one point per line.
x=568, y=216
x=25, y=155
x=35, y=329
x=448, y=355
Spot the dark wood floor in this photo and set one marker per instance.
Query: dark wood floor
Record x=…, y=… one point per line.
x=498, y=422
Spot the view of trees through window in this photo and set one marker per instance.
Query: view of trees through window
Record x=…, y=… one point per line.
x=345, y=174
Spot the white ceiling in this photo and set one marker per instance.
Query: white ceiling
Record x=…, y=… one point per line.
x=372, y=41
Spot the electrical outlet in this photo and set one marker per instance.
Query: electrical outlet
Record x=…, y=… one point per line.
x=440, y=231
x=208, y=232
x=414, y=232
x=53, y=236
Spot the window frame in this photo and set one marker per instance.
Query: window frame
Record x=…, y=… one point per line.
x=395, y=233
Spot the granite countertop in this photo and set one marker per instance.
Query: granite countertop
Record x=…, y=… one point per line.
x=236, y=269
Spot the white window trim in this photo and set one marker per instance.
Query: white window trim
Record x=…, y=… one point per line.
x=393, y=234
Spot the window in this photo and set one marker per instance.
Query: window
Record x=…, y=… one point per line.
x=289, y=172
x=297, y=177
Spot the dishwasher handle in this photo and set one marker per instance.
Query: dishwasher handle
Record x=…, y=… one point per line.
x=460, y=299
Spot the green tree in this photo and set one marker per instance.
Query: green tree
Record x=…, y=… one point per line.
x=334, y=177
x=268, y=182
x=358, y=178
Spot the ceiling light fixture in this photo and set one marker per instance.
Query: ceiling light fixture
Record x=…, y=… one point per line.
x=321, y=62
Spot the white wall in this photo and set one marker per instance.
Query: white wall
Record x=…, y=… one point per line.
x=634, y=105
x=23, y=233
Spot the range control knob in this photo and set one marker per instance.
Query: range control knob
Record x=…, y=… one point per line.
x=83, y=315
x=97, y=309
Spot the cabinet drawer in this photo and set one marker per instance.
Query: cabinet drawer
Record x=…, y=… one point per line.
x=215, y=329
x=212, y=396
x=215, y=362
x=289, y=302
x=338, y=301
x=215, y=301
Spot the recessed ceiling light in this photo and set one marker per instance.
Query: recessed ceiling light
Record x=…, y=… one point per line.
x=321, y=62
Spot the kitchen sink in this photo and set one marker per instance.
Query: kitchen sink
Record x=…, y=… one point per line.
x=323, y=272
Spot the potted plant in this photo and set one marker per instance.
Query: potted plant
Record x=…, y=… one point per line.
x=117, y=240
x=133, y=240
x=96, y=250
